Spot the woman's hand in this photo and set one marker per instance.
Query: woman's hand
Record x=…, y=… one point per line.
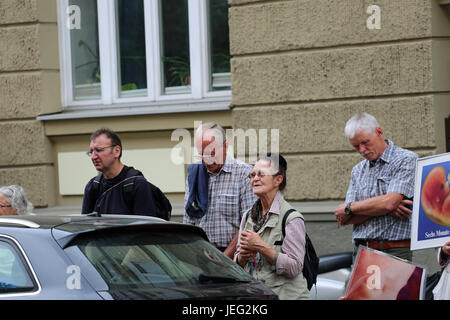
x=252, y=242
x=245, y=256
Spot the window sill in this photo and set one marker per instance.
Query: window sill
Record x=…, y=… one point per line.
x=131, y=109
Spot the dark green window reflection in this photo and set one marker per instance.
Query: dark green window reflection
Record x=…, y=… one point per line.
x=85, y=52
x=131, y=47
x=175, y=46
x=219, y=45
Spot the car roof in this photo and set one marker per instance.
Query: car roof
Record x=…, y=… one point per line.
x=89, y=222
x=66, y=227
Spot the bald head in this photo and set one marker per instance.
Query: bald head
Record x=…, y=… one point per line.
x=210, y=141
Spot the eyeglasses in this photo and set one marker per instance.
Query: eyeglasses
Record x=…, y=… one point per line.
x=97, y=150
x=260, y=174
x=207, y=156
x=5, y=206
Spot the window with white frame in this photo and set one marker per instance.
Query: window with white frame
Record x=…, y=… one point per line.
x=124, y=51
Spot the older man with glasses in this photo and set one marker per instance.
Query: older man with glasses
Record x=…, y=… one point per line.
x=105, y=193
x=218, y=190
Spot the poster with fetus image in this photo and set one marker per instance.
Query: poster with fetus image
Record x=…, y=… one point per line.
x=379, y=276
x=431, y=214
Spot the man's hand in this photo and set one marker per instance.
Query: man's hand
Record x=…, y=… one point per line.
x=231, y=249
x=402, y=212
x=391, y=203
x=340, y=214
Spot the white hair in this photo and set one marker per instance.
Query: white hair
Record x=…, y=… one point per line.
x=17, y=199
x=360, y=122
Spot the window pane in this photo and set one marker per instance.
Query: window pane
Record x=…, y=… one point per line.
x=147, y=259
x=131, y=47
x=13, y=274
x=85, y=52
x=219, y=45
x=175, y=46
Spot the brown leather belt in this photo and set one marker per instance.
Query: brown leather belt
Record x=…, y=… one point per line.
x=383, y=244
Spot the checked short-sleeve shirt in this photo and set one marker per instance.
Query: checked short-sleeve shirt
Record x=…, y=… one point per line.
x=394, y=171
x=229, y=196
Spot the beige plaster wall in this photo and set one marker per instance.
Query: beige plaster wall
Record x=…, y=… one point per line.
x=144, y=133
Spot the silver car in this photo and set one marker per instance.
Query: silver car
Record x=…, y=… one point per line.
x=116, y=258
x=334, y=272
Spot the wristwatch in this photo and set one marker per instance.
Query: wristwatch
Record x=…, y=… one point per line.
x=348, y=210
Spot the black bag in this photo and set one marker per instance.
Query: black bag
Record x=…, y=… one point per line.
x=162, y=204
x=311, y=261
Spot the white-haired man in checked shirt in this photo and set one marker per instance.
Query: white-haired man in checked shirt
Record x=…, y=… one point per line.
x=377, y=197
x=229, y=191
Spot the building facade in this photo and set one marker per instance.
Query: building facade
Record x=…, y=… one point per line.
x=305, y=67
x=299, y=69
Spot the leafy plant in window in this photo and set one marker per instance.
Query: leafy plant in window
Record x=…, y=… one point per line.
x=179, y=71
x=95, y=74
x=135, y=61
x=221, y=62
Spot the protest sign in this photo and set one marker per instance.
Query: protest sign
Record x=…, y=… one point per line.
x=379, y=276
x=431, y=209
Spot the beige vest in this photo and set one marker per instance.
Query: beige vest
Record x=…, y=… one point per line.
x=286, y=288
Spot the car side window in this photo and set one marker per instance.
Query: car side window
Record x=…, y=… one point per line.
x=14, y=275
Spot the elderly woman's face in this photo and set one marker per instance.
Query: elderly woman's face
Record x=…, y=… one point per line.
x=5, y=207
x=263, y=178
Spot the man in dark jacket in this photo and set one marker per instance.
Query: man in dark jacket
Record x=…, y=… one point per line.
x=105, y=194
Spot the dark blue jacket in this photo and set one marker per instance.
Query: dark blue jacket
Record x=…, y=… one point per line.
x=197, y=203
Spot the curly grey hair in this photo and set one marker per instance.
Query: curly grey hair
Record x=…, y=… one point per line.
x=16, y=197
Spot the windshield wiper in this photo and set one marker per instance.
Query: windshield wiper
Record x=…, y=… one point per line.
x=204, y=278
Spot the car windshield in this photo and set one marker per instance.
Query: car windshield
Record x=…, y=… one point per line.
x=157, y=258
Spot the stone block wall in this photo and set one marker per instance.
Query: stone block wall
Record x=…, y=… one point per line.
x=306, y=66
x=29, y=86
